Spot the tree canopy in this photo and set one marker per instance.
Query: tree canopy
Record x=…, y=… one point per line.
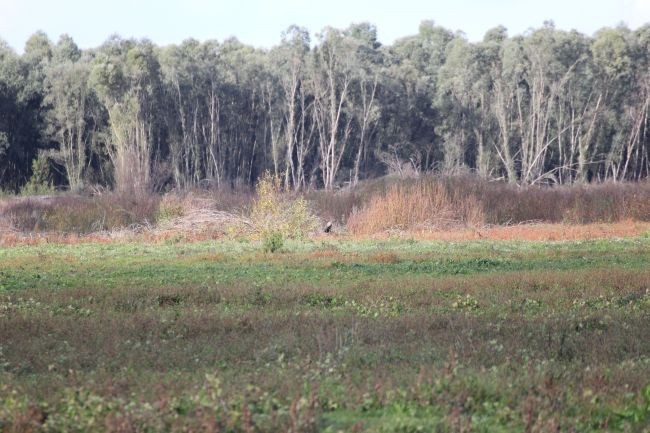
x=550, y=106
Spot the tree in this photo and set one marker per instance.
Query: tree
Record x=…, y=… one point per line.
x=547, y=107
x=21, y=120
x=290, y=62
x=69, y=101
x=331, y=75
x=367, y=69
x=126, y=76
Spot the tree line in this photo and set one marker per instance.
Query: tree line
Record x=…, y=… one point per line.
x=550, y=106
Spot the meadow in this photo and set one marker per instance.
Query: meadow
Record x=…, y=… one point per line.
x=327, y=334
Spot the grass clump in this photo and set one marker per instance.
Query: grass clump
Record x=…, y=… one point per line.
x=440, y=202
x=79, y=214
x=423, y=204
x=169, y=208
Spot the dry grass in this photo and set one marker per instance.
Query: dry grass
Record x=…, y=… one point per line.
x=214, y=214
x=439, y=203
x=78, y=214
x=196, y=214
x=192, y=215
x=418, y=206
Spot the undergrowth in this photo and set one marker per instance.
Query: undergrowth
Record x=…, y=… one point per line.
x=379, y=205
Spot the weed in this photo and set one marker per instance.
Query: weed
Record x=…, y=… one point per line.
x=323, y=301
x=467, y=303
x=273, y=241
x=259, y=297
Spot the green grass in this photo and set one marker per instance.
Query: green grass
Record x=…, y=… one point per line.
x=398, y=335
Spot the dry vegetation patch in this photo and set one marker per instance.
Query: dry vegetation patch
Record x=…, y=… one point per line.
x=524, y=232
x=431, y=207
x=434, y=203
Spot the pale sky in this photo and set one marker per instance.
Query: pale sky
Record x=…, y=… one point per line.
x=260, y=22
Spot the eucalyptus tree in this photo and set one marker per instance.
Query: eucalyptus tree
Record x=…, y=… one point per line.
x=276, y=126
x=579, y=106
x=642, y=56
x=484, y=125
x=535, y=84
x=35, y=59
x=468, y=124
x=543, y=81
x=212, y=102
x=290, y=63
x=70, y=106
x=126, y=76
x=636, y=106
x=331, y=76
x=454, y=100
x=245, y=131
x=548, y=106
x=191, y=78
x=409, y=116
x=22, y=123
x=614, y=64
x=13, y=155
x=368, y=70
x=505, y=75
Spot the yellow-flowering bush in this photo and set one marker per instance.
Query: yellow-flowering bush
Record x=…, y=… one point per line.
x=276, y=214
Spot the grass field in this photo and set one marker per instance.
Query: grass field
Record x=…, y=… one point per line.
x=327, y=335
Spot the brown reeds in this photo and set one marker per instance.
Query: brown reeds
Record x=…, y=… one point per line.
x=430, y=203
x=434, y=203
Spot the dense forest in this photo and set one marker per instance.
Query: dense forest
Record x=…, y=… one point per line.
x=548, y=107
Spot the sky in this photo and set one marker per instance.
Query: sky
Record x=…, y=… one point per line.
x=260, y=23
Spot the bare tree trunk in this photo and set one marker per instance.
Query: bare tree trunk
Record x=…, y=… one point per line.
x=367, y=106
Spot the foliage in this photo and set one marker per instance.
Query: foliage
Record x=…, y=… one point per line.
x=276, y=215
x=438, y=202
x=273, y=241
x=549, y=107
x=40, y=183
x=169, y=208
x=79, y=215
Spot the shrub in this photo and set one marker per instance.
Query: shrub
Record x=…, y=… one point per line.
x=41, y=181
x=273, y=242
x=277, y=215
x=438, y=201
x=424, y=204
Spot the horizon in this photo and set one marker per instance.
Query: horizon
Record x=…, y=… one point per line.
x=258, y=24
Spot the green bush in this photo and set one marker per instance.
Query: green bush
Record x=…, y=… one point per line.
x=41, y=181
x=273, y=242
